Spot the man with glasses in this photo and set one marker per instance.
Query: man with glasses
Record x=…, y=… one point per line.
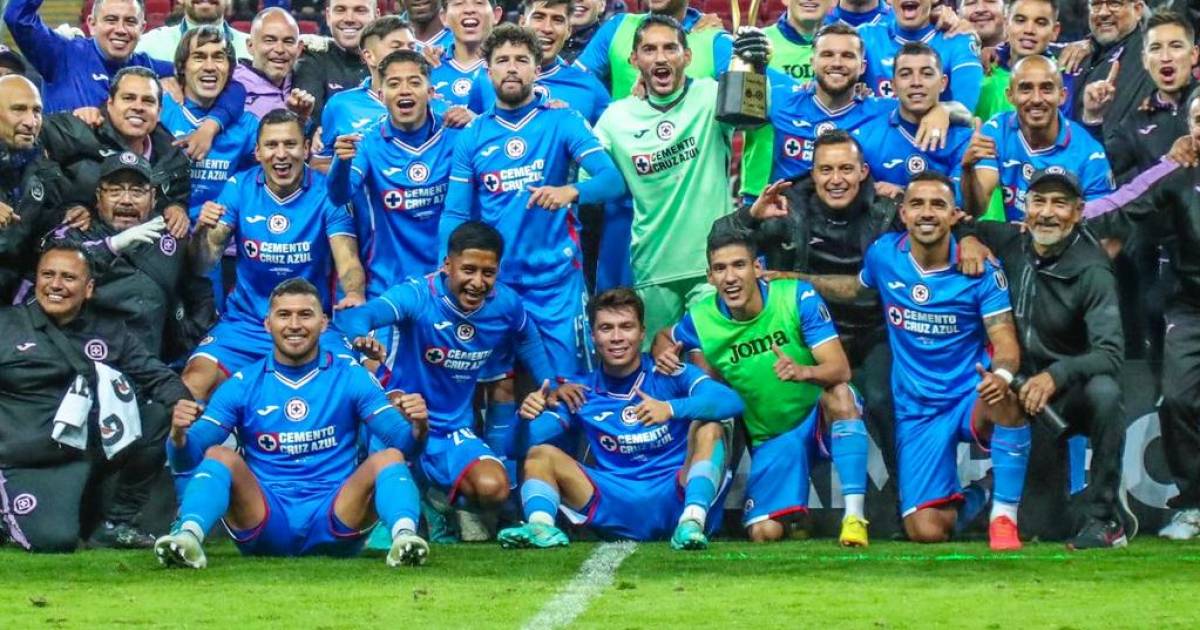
x=1113, y=78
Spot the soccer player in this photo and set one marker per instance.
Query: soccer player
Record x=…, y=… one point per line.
x=856, y=13
x=1012, y=145
x=511, y=170
x=404, y=165
x=776, y=346
x=1031, y=27
x=447, y=325
x=579, y=89
x=285, y=226
x=959, y=53
x=463, y=62
x=945, y=387
x=296, y=488
x=426, y=20
x=890, y=144
x=659, y=441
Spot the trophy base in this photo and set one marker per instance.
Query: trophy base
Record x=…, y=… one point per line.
x=742, y=98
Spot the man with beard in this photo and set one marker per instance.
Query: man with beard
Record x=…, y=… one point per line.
x=987, y=17
x=1113, y=79
x=274, y=47
x=426, y=20
x=586, y=16
x=463, y=64
x=1069, y=322
x=161, y=42
x=323, y=73
x=1007, y=150
x=512, y=170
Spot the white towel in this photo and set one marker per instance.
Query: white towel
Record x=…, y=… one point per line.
x=119, y=419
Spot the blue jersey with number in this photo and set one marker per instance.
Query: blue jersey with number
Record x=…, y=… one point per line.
x=578, y=88
x=232, y=150
x=350, y=111
x=1074, y=151
x=453, y=82
x=441, y=348
x=799, y=117
x=960, y=59
x=405, y=176
x=298, y=429
x=935, y=321
x=279, y=238
x=890, y=147
x=500, y=156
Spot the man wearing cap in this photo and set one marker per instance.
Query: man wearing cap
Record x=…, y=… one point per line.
x=1064, y=297
x=54, y=350
x=143, y=276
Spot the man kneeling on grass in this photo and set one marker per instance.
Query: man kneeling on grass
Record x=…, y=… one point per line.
x=659, y=441
x=296, y=488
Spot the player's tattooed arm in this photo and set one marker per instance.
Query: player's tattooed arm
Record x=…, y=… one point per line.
x=837, y=288
x=350, y=271
x=1002, y=333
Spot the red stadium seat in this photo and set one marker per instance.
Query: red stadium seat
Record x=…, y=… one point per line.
x=241, y=25
x=162, y=7
x=155, y=20
x=770, y=10
x=309, y=27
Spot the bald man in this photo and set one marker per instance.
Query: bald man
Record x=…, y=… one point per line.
x=1011, y=146
x=274, y=47
x=29, y=183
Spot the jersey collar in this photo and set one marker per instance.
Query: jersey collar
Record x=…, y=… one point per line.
x=305, y=181
x=431, y=132
x=550, y=69
x=790, y=33
x=600, y=381
x=324, y=360
x=1061, y=142
x=905, y=245
x=902, y=36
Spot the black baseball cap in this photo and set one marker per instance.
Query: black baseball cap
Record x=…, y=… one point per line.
x=1056, y=175
x=12, y=60
x=126, y=161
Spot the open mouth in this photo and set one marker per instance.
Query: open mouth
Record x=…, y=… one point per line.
x=732, y=293
x=927, y=228
x=282, y=170
x=662, y=74
x=1106, y=23
x=119, y=42
x=209, y=81
x=619, y=351
x=837, y=191
x=470, y=22
x=471, y=297
x=295, y=339
x=349, y=30
x=125, y=212
x=1037, y=111
x=1167, y=73
x=406, y=105
x=1027, y=43
x=579, y=11
x=55, y=298
x=137, y=120
x=546, y=42
x=910, y=9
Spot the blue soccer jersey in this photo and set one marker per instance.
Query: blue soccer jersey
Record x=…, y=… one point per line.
x=935, y=323
x=232, y=150
x=578, y=88
x=890, y=147
x=959, y=53
x=279, y=238
x=405, y=175
x=349, y=111
x=881, y=13
x=454, y=82
x=499, y=158
x=798, y=117
x=1075, y=151
x=440, y=349
x=443, y=39
x=298, y=429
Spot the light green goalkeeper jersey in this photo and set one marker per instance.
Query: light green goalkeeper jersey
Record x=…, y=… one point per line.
x=676, y=164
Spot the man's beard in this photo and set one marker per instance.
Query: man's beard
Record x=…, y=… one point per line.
x=526, y=90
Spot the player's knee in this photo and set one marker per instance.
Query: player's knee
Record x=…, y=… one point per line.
x=502, y=391
x=766, y=531
x=223, y=454
x=200, y=377
x=709, y=434
x=386, y=457
x=489, y=487
x=1103, y=392
x=923, y=528
x=838, y=402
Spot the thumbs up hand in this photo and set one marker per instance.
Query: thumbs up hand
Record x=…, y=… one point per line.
x=651, y=410
x=786, y=368
x=981, y=147
x=535, y=403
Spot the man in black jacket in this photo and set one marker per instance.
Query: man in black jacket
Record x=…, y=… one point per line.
x=46, y=344
x=1103, y=98
x=1064, y=297
x=143, y=275
x=130, y=123
x=338, y=66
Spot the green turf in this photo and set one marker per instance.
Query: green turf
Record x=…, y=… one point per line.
x=795, y=584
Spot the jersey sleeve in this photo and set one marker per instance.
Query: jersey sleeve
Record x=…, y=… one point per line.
x=226, y=405
x=337, y=220
x=366, y=394
x=722, y=50
x=1095, y=175
x=41, y=46
x=230, y=198
x=594, y=57
x=685, y=333
x=328, y=131
x=460, y=194
x=993, y=292
x=866, y=276
x=581, y=140
x=966, y=72
x=992, y=129
x=816, y=323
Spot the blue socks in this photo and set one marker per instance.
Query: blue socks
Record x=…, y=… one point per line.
x=397, y=500
x=850, y=454
x=1010, y=459
x=206, y=499
x=975, y=497
x=703, y=479
x=540, y=501
x=500, y=433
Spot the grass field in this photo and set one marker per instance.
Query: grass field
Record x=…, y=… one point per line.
x=1153, y=584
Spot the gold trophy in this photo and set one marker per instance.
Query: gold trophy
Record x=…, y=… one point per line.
x=742, y=91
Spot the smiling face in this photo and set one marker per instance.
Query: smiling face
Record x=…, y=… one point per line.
x=912, y=14
x=124, y=200
x=296, y=322
x=918, y=81
x=63, y=284
x=733, y=270
x=1051, y=213
x=471, y=21
x=809, y=11
x=552, y=25
x=586, y=12
x=376, y=48
x=1036, y=91
x=134, y=109
x=987, y=16
x=471, y=275
x=1169, y=56
x=838, y=173
x=117, y=26
x=206, y=72
x=281, y=150
x=928, y=211
x=347, y=19
x=406, y=91
x=275, y=46
x=512, y=69
x=20, y=113
x=618, y=337
x=204, y=11
x=1112, y=20
x=837, y=62
x=1031, y=27
x=661, y=58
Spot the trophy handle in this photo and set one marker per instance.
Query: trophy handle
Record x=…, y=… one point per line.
x=735, y=9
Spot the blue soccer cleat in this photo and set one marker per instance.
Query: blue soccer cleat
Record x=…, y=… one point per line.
x=689, y=535
x=532, y=536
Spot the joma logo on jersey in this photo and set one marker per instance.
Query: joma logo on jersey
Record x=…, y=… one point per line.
x=747, y=349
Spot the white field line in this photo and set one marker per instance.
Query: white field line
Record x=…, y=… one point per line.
x=595, y=575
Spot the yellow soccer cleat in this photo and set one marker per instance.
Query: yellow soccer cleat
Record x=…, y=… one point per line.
x=854, y=532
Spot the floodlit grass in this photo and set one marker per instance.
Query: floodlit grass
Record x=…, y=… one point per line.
x=1153, y=584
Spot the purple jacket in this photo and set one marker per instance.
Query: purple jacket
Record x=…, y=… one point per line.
x=262, y=96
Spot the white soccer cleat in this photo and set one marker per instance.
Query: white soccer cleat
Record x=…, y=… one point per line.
x=1185, y=525
x=408, y=550
x=180, y=549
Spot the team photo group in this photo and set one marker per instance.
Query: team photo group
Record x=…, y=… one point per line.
x=461, y=270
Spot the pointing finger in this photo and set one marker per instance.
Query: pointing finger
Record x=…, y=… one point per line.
x=1113, y=71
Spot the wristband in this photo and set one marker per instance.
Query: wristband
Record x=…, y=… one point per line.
x=1005, y=375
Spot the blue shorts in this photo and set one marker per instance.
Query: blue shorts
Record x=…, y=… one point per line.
x=447, y=458
x=300, y=524
x=560, y=314
x=233, y=344
x=779, y=469
x=927, y=455
x=638, y=509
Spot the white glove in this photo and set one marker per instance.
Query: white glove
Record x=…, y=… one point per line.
x=147, y=232
x=314, y=43
x=69, y=32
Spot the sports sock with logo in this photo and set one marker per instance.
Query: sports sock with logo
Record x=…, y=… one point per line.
x=703, y=479
x=206, y=499
x=1010, y=459
x=397, y=500
x=540, y=501
x=850, y=459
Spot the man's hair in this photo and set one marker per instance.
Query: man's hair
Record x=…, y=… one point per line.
x=1012, y=3
x=723, y=236
x=49, y=245
x=548, y=4
x=660, y=20
x=835, y=137
x=294, y=286
x=1165, y=17
x=382, y=27
x=838, y=28
x=512, y=34
x=930, y=175
x=133, y=71
x=918, y=49
x=202, y=36
x=475, y=235
x=279, y=116
x=405, y=56
x=99, y=3
x=262, y=16
x=617, y=299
